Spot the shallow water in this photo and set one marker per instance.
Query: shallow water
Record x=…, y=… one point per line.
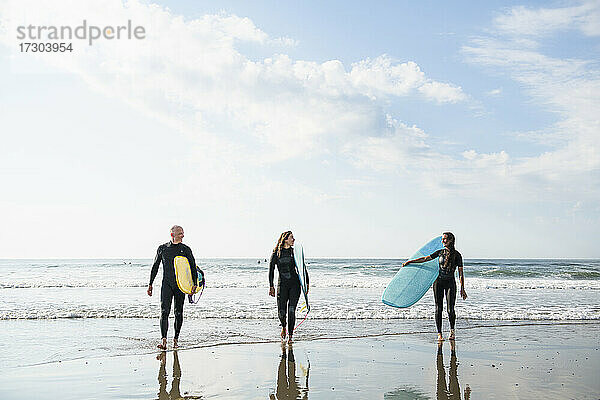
x=64, y=309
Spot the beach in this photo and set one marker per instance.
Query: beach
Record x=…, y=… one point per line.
x=494, y=360
x=421, y=169
x=87, y=329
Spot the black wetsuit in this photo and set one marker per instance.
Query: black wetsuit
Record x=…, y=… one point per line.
x=169, y=289
x=288, y=286
x=445, y=283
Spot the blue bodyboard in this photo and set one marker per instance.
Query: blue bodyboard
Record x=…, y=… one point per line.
x=411, y=282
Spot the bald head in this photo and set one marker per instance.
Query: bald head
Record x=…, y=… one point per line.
x=176, y=234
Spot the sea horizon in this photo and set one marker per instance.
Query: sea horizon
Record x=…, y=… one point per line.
x=308, y=257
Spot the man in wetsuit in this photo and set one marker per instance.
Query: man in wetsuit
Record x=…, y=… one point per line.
x=169, y=289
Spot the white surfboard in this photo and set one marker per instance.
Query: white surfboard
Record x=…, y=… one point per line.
x=301, y=270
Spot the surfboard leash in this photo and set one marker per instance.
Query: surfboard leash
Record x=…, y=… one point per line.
x=191, y=296
x=306, y=316
x=301, y=322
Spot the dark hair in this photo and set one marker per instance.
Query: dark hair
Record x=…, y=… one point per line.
x=282, y=238
x=449, y=250
x=452, y=238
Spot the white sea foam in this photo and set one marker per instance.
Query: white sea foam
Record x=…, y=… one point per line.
x=257, y=280
x=565, y=314
x=326, y=304
x=340, y=290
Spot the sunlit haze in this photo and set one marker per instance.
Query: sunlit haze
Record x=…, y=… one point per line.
x=366, y=128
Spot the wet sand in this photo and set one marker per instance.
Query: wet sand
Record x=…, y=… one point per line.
x=512, y=361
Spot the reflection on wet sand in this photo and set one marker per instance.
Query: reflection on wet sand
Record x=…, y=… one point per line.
x=174, y=394
x=287, y=382
x=452, y=390
x=443, y=391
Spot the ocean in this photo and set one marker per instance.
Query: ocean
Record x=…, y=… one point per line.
x=54, y=310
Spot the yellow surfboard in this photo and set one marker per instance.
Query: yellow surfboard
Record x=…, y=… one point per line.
x=183, y=273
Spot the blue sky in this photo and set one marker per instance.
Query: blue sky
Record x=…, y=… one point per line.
x=365, y=128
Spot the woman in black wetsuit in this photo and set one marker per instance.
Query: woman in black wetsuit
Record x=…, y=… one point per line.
x=288, y=284
x=449, y=259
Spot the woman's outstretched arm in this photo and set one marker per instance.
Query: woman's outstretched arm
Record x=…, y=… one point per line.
x=417, y=260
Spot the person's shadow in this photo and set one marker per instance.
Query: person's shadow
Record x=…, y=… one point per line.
x=452, y=390
x=174, y=393
x=287, y=382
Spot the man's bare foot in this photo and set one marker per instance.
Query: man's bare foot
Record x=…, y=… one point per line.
x=175, y=345
x=452, y=336
x=283, y=334
x=163, y=345
x=440, y=337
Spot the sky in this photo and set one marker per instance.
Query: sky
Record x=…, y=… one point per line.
x=365, y=128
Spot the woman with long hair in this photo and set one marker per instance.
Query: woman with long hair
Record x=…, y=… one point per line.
x=449, y=260
x=288, y=284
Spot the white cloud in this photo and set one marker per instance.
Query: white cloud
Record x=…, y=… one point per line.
x=404, y=151
x=545, y=21
x=566, y=87
x=380, y=77
x=251, y=120
x=397, y=150
x=442, y=92
x=285, y=41
x=190, y=75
